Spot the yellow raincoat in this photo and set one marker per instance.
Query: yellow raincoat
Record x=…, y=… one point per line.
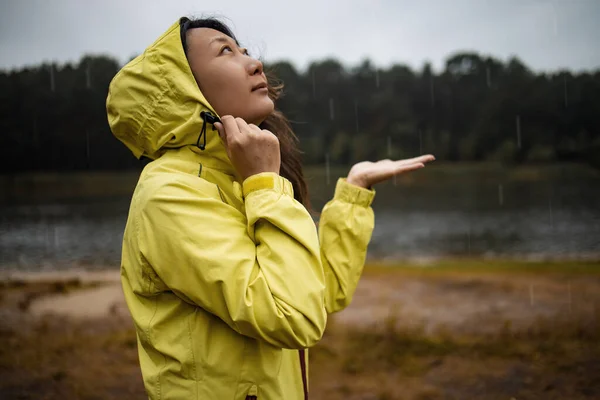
x=227, y=281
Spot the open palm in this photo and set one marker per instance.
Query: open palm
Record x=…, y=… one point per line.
x=366, y=173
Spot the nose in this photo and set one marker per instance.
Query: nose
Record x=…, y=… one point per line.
x=255, y=67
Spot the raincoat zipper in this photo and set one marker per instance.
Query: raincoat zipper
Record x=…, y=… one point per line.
x=303, y=368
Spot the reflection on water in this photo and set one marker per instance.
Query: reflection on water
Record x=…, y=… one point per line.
x=529, y=234
x=523, y=220
x=62, y=236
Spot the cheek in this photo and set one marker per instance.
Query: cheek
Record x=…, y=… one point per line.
x=226, y=88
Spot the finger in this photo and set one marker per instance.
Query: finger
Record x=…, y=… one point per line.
x=242, y=126
x=408, y=168
x=254, y=128
x=231, y=128
x=424, y=158
x=220, y=129
x=420, y=159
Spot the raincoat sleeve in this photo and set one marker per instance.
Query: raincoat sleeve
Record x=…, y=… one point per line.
x=345, y=229
x=260, y=272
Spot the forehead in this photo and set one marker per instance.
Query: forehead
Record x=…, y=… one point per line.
x=206, y=37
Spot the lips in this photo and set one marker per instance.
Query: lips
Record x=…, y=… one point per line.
x=262, y=85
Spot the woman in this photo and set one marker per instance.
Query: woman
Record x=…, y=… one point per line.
x=224, y=273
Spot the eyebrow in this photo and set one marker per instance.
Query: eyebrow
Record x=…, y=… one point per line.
x=228, y=40
x=220, y=39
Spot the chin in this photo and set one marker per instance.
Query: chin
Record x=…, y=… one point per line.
x=261, y=113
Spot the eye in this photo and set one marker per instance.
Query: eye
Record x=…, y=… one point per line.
x=225, y=48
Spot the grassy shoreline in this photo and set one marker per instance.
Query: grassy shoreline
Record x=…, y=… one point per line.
x=459, y=265
x=478, y=265
x=56, y=186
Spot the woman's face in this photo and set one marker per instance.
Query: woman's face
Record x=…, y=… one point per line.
x=227, y=76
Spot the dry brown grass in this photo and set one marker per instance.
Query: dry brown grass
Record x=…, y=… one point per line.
x=62, y=359
x=553, y=359
x=501, y=348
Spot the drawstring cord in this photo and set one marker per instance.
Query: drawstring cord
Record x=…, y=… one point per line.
x=211, y=119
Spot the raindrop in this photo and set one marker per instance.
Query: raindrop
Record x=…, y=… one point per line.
x=87, y=146
x=35, y=130
x=420, y=142
x=314, y=88
x=551, y=214
x=566, y=93
x=88, y=78
x=23, y=261
x=431, y=90
x=56, y=240
x=389, y=151
x=469, y=239
x=47, y=237
x=52, y=85
x=327, y=168
x=356, y=113
x=570, y=298
x=488, y=77
x=500, y=194
x=377, y=78
x=518, y=123
x=331, y=113
x=531, y=294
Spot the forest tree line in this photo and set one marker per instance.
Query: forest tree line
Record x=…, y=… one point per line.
x=53, y=117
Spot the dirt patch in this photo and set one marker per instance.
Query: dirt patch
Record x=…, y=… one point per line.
x=467, y=304
x=405, y=336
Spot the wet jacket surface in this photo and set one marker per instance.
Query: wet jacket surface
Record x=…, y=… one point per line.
x=228, y=281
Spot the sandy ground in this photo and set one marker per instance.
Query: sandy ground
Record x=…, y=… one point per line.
x=406, y=335
x=479, y=304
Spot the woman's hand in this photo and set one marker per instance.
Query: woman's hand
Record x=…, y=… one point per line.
x=366, y=174
x=251, y=150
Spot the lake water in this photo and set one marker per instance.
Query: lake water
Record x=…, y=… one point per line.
x=446, y=217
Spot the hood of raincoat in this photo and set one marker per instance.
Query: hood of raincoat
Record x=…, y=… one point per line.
x=154, y=104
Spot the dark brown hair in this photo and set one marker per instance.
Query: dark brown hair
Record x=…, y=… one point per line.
x=276, y=122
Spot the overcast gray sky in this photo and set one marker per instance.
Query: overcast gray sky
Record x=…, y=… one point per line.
x=545, y=34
